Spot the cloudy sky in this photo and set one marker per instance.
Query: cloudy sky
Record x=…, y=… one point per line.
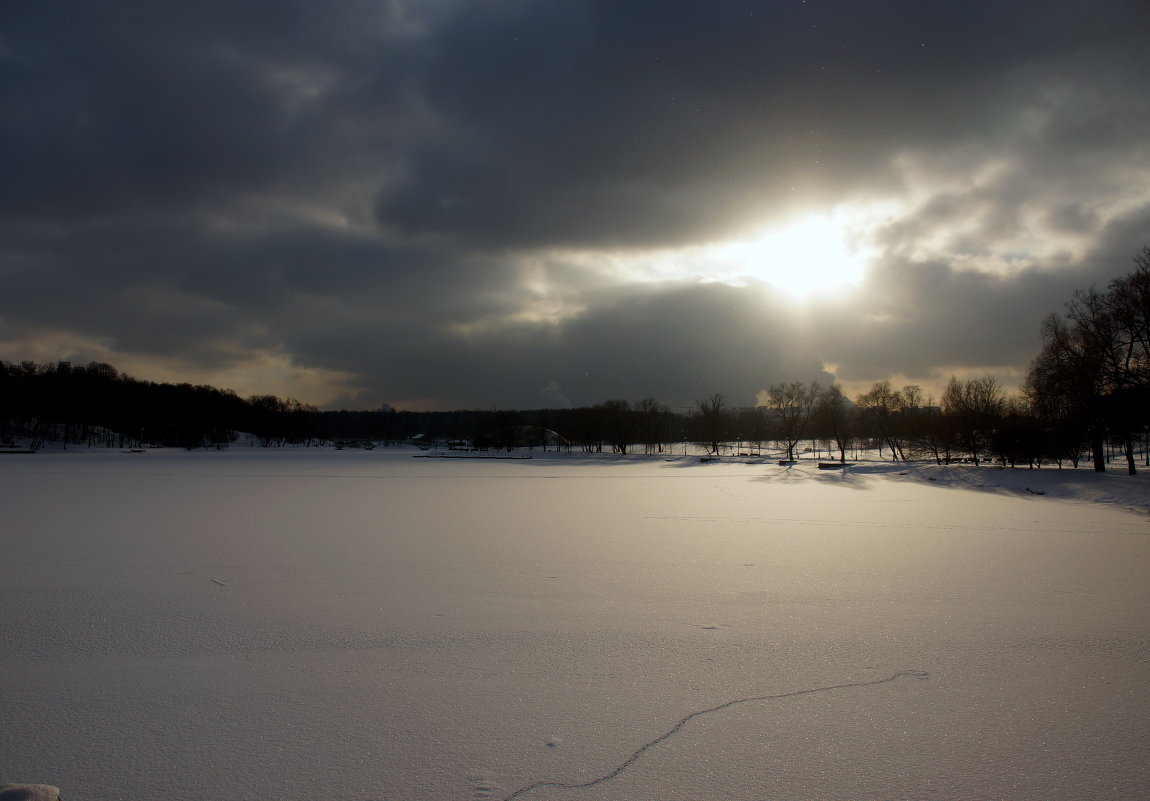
x=471, y=204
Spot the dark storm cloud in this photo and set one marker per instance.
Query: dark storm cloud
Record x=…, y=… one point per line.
x=676, y=342
x=627, y=123
x=438, y=199
x=919, y=318
x=141, y=104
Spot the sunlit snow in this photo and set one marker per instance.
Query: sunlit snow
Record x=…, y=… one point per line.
x=309, y=623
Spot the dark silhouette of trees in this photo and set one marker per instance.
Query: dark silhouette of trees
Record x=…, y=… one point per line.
x=587, y=429
x=711, y=418
x=834, y=419
x=750, y=428
x=1093, y=371
x=790, y=406
x=619, y=423
x=880, y=407
x=1063, y=387
x=96, y=405
x=653, y=420
x=931, y=432
x=975, y=407
x=280, y=421
x=1017, y=438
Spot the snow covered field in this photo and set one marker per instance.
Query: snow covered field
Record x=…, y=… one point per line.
x=295, y=625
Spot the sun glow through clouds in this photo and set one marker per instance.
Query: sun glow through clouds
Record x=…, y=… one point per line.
x=819, y=253
x=805, y=257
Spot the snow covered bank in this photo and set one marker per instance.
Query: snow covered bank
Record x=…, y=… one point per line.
x=246, y=624
x=1081, y=485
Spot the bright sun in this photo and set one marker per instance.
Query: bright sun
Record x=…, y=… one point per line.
x=807, y=257
x=803, y=258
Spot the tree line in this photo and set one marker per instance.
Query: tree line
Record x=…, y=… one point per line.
x=1092, y=375
x=97, y=405
x=1086, y=393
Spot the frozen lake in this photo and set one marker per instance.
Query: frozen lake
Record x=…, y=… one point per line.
x=293, y=625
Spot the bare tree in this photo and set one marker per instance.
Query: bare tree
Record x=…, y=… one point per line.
x=711, y=410
x=1062, y=387
x=618, y=418
x=919, y=425
x=974, y=406
x=931, y=432
x=834, y=418
x=1129, y=302
x=1094, y=367
x=653, y=417
x=881, y=406
x=1126, y=307
x=791, y=406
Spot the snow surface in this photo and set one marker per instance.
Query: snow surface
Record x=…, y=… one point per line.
x=300, y=624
